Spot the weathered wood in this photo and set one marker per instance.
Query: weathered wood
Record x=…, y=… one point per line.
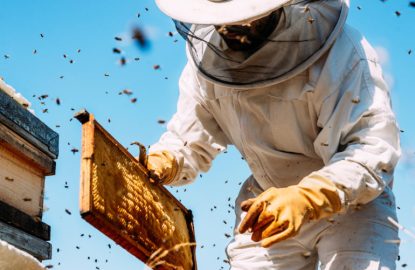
x=24, y=222
x=28, y=126
x=40, y=249
x=26, y=150
x=118, y=198
x=82, y=116
x=21, y=184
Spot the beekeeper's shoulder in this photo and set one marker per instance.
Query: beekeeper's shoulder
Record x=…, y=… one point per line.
x=350, y=56
x=350, y=53
x=351, y=47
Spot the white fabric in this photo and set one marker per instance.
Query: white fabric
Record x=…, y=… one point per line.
x=291, y=48
x=361, y=239
x=223, y=12
x=333, y=119
x=15, y=95
x=12, y=258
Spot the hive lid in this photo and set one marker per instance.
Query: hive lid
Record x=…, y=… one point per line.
x=28, y=126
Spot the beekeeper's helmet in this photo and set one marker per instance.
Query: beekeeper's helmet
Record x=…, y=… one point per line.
x=304, y=31
x=218, y=12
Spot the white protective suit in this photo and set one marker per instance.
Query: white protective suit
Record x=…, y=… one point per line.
x=333, y=117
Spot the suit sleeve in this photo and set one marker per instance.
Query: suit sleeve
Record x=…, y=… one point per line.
x=359, y=137
x=192, y=135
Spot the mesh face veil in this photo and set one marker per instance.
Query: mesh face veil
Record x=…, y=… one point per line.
x=303, y=30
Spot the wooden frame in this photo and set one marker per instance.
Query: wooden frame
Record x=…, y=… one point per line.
x=118, y=198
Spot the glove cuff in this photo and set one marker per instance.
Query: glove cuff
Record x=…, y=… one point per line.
x=322, y=194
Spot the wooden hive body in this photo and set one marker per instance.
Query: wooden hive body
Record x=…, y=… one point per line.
x=27, y=152
x=119, y=199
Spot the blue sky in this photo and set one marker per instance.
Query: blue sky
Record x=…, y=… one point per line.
x=90, y=26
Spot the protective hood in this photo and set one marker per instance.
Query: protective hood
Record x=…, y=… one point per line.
x=306, y=29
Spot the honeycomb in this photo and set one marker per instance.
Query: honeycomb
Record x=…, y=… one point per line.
x=122, y=194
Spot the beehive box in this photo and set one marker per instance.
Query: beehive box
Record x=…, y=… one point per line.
x=28, y=149
x=119, y=199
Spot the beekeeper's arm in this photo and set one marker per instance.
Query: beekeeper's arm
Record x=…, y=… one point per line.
x=192, y=140
x=359, y=144
x=359, y=140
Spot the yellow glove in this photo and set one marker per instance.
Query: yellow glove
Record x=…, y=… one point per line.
x=278, y=213
x=162, y=166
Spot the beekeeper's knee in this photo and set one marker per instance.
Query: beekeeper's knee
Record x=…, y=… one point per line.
x=357, y=260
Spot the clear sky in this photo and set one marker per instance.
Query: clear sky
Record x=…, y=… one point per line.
x=94, y=79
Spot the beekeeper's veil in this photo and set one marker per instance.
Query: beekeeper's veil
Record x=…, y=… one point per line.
x=304, y=31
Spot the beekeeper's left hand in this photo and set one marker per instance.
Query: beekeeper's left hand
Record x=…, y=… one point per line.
x=162, y=166
x=279, y=213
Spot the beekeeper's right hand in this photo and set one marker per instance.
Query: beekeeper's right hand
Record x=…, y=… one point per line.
x=162, y=166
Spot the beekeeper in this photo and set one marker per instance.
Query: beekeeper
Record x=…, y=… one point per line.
x=301, y=95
